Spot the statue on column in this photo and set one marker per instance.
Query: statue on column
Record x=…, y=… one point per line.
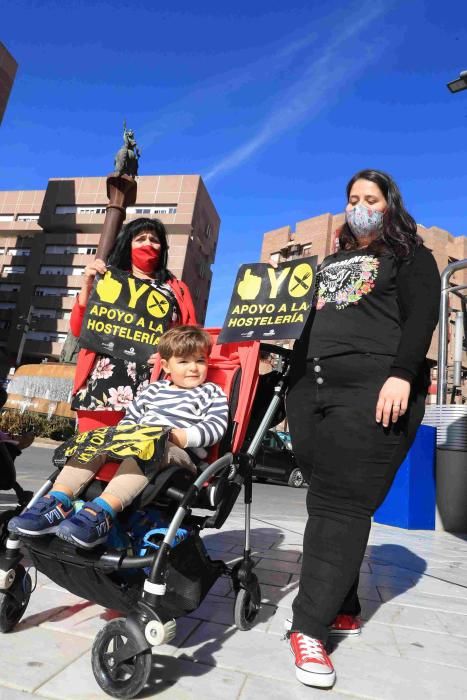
x=126, y=160
x=121, y=191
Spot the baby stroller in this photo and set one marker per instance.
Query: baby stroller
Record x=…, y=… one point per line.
x=154, y=588
x=11, y=504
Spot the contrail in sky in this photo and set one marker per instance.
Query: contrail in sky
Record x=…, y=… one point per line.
x=317, y=85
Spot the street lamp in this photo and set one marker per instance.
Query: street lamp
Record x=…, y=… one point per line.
x=460, y=83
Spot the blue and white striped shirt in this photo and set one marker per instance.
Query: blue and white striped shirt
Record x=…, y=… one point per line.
x=203, y=411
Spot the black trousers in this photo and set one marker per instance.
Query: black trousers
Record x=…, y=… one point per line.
x=350, y=462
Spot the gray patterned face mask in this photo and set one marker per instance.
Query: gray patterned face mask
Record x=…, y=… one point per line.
x=363, y=221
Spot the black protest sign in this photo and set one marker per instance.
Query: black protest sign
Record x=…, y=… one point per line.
x=125, y=316
x=144, y=443
x=270, y=303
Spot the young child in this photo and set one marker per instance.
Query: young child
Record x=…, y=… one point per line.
x=196, y=411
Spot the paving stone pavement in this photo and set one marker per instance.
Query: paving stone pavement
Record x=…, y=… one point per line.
x=413, y=646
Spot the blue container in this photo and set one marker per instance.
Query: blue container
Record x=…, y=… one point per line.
x=411, y=501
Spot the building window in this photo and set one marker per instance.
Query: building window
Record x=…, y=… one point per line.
x=7, y=217
x=7, y=305
x=27, y=217
x=70, y=250
x=19, y=251
x=2, y=251
x=4, y=324
x=47, y=336
x=61, y=270
x=56, y=291
x=9, y=287
x=13, y=270
x=147, y=209
x=51, y=313
x=306, y=250
x=79, y=210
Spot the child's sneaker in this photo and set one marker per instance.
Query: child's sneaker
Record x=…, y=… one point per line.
x=42, y=518
x=87, y=528
x=312, y=664
x=345, y=626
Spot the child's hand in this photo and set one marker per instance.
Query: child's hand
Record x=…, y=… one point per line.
x=178, y=437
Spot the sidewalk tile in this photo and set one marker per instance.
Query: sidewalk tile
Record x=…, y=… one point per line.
x=272, y=578
x=226, y=647
x=221, y=610
x=374, y=639
x=11, y=694
x=437, y=649
x=170, y=679
x=282, y=596
x=257, y=687
x=419, y=599
x=31, y=657
x=288, y=567
x=415, y=618
x=279, y=554
x=392, y=677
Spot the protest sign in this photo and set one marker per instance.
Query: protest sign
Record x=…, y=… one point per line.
x=270, y=303
x=144, y=443
x=125, y=316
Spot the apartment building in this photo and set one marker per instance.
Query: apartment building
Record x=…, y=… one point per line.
x=8, y=68
x=47, y=237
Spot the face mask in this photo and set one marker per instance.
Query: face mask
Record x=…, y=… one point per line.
x=363, y=221
x=145, y=258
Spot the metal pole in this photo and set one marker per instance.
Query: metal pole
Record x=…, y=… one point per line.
x=26, y=327
x=458, y=348
x=443, y=329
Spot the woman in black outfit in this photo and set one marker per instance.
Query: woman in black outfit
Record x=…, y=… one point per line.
x=357, y=396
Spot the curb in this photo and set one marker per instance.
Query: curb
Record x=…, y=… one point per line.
x=44, y=442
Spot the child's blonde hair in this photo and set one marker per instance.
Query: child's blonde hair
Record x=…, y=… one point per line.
x=182, y=341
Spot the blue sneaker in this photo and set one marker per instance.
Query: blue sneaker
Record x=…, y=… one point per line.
x=42, y=518
x=87, y=528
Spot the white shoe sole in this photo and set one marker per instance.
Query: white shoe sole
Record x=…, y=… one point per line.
x=332, y=632
x=72, y=539
x=344, y=633
x=35, y=533
x=317, y=680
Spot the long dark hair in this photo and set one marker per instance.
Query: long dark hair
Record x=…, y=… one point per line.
x=399, y=234
x=120, y=255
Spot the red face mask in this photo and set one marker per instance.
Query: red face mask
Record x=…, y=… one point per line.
x=145, y=258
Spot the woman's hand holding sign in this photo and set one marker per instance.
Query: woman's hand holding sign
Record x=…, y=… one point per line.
x=90, y=271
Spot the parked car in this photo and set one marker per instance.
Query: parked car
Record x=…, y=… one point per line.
x=276, y=461
x=285, y=437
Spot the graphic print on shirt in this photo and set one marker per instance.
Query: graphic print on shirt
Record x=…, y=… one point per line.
x=345, y=282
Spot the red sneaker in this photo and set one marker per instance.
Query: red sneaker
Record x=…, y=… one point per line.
x=312, y=665
x=345, y=626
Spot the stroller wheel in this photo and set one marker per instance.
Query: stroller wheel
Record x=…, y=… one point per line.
x=122, y=679
x=14, y=601
x=247, y=606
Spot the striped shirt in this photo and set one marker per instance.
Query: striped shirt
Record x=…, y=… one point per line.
x=203, y=411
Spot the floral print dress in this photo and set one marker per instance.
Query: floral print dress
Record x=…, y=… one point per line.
x=114, y=383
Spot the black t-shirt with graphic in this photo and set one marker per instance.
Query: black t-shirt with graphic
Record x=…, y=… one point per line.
x=376, y=304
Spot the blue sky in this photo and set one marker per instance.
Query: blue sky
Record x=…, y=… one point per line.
x=275, y=104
